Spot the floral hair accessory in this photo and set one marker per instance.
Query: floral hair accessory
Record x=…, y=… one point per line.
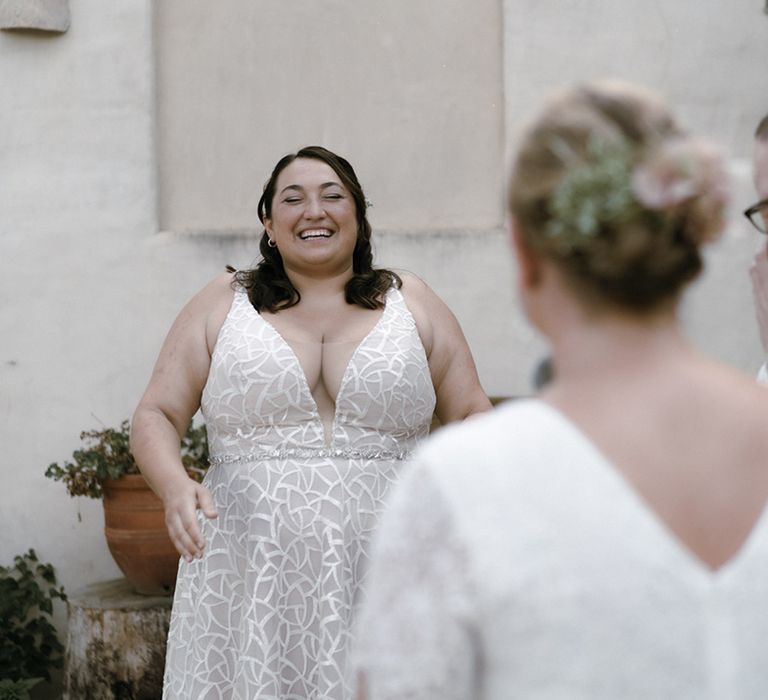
x=679, y=182
x=685, y=172
x=666, y=178
x=593, y=193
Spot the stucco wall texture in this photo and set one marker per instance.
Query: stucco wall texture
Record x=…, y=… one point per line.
x=133, y=149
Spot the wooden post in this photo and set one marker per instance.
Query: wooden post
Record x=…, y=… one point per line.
x=115, y=643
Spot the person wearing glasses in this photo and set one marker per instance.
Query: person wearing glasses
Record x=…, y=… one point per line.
x=607, y=538
x=758, y=216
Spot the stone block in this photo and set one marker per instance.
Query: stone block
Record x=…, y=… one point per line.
x=44, y=15
x=115, y=643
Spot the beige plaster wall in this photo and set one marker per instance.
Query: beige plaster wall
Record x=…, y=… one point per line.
x=709, y=60
x=707, y=57
x=77, y=196
x=410, y=91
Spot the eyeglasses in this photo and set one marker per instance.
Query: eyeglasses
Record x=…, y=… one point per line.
x=758, y=215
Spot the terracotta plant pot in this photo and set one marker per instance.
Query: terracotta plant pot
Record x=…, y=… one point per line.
x=136, y=535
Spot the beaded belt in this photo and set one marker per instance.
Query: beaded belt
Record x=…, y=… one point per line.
x=310, y=452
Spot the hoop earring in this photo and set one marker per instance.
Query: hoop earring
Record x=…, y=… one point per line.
x=271, y=243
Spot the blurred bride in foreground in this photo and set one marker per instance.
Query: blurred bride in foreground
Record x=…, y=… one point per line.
x=607, y=539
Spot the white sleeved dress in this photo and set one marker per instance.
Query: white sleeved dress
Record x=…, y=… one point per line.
x=514, y=562
x=267, y=612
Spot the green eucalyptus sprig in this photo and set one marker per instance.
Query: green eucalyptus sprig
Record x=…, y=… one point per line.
x=594, y=193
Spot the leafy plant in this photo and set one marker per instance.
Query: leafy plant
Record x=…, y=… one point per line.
x=17, y=690
x=29, y=645
x=107, y=455
x=194, y=452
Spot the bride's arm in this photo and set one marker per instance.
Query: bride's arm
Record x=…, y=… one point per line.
x=453, y=370
x=166, y=409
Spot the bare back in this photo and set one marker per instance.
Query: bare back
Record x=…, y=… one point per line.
x=691, y=443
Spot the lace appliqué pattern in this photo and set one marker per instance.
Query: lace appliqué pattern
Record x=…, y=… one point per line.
x=268, y=611
x=417, y=627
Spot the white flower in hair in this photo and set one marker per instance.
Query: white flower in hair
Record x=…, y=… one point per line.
x=686, y=171
x=666, y=178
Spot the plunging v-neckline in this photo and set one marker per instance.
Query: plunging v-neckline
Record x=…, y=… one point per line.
x=345, y=377
x=650, y=515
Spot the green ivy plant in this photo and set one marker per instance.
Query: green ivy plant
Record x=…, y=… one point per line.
x=17, y=690
x=107, y=455
x=29, y=645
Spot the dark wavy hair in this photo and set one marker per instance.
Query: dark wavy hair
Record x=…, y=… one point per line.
x=268, y=285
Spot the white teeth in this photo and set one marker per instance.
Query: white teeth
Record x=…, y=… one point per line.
x=315, y=233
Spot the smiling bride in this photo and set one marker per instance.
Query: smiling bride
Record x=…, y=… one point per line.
x=317, y=376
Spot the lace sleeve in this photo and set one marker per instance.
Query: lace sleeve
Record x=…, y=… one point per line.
x=415, y=632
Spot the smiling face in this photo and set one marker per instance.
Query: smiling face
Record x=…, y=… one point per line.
x=313, y=218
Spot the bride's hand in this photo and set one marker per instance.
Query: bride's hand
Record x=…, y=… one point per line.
x=181, y=517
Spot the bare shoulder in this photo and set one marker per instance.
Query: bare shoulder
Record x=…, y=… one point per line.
x=735, y=383
x=182, y=366
x=752, y=396
x=218, y=290
x=413, y=284
x=210, y=299
x=418, y=293
x=436, y=323
x=208, y=308
x=729, y=398
x=740, y=405
x=425, y=306
x=453, y=370
x=216, y=298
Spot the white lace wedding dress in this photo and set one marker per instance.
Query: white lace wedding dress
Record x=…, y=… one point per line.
x=515, y=563
x=267, y=612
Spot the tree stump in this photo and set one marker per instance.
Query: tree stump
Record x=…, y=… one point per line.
x=115, y=643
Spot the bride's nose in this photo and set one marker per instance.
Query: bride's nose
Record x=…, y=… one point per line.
x=313, y=208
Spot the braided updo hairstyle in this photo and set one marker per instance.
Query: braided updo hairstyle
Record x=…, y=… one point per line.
x=608, y=186
x=269, y=287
